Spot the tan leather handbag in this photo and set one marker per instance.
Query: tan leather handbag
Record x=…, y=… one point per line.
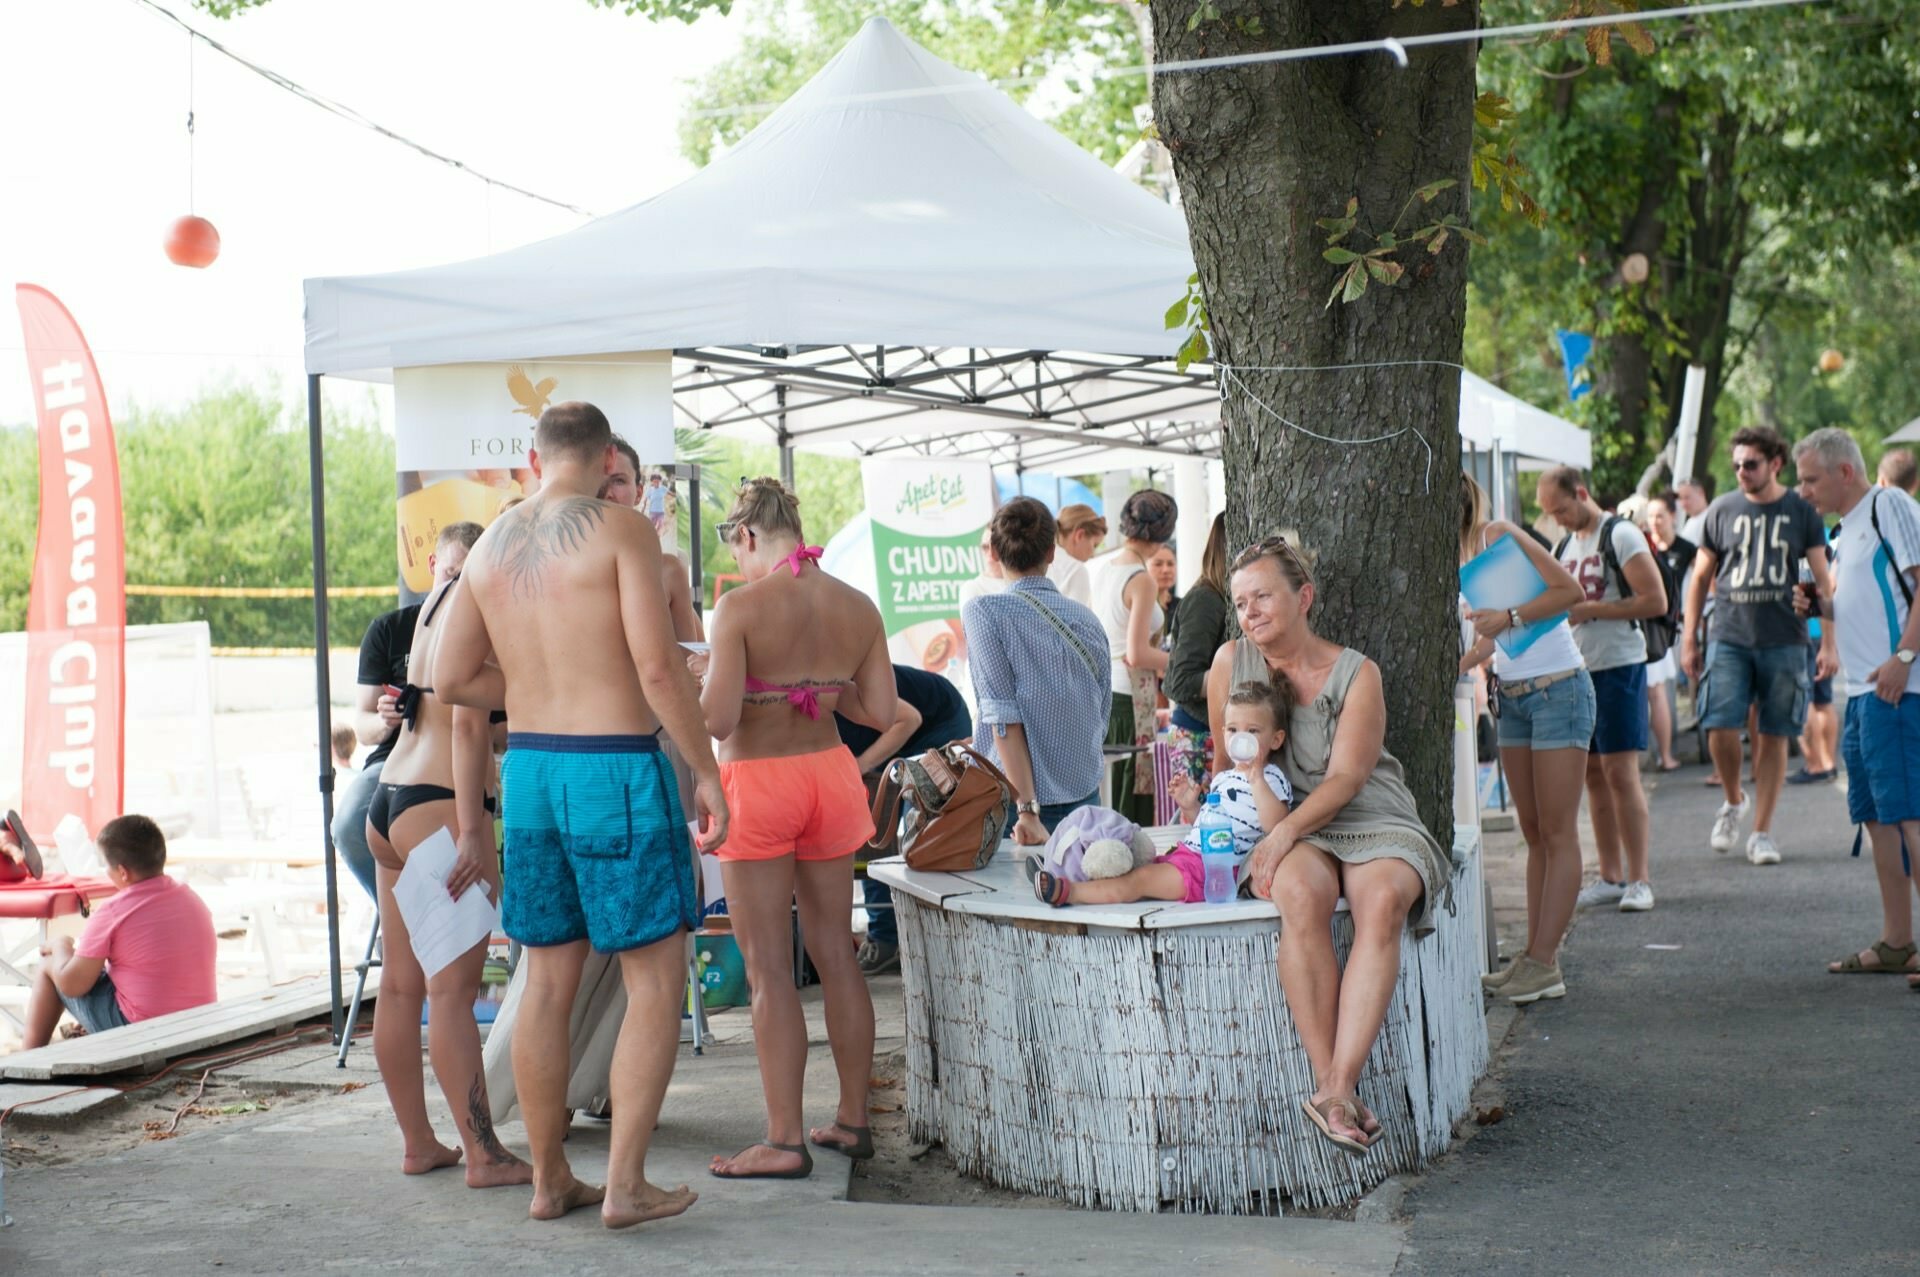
x=958, y=807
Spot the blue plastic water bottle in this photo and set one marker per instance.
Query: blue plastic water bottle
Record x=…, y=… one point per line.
x=1216, y=851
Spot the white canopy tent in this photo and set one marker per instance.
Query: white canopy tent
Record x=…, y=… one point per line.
x=1533, y=437
x=899, y=257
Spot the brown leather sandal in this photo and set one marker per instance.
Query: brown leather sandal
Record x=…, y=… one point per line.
x=1893, y=960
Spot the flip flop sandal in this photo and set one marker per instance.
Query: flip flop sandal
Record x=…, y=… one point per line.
x=28, y=851
x=1317, y=1114
x=1052, y=889
x=799, y=1172
x=1893, y=960
x=861, y=1150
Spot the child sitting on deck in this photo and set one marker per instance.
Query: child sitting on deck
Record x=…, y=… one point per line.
x=1254, y=795
x=147, y=950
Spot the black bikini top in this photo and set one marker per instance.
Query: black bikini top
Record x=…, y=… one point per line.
x=407, y=704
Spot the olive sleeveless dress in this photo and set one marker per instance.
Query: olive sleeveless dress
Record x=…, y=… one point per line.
x=1381, y=822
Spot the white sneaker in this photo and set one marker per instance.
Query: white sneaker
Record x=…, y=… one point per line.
x=1600, y=892
x=1761, y=851
x=1726, y=824
x=1638, y=898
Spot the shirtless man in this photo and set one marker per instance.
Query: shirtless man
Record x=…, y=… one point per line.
x=622, y=487
x=560, y=620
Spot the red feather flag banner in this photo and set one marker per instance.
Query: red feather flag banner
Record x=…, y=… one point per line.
x=77, y=614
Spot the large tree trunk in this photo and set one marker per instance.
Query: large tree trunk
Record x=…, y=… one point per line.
x=1260, y=152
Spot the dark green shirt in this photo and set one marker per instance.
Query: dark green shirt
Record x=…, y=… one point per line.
x=1200, y=629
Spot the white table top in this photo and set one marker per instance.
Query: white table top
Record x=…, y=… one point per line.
x=1001, y=890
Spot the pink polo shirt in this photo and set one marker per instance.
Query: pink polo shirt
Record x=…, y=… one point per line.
x=157, y=938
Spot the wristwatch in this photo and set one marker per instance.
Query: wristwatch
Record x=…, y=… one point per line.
x=1027, y=808
x=1904, y=656
x=1513, y=618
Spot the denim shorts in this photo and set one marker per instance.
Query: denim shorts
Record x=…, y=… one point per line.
x=1620, y=710
x=1557, y=716
x=1775, y=678
x=1880, y=745
x=98, y=1009
x=1822, y=687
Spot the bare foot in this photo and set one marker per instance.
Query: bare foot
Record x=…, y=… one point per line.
x=571, y=1198
x=432, y=1160
x=496, y=1172
x=756, y=1160
x=649, y=1203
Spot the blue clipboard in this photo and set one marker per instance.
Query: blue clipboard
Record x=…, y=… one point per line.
x=1502, y=577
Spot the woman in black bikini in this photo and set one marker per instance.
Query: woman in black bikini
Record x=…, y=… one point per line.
x=415, y=799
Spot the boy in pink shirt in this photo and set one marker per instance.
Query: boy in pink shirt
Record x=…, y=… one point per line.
x=146, y=951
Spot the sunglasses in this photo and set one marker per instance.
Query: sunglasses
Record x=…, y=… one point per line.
x=1749, y=464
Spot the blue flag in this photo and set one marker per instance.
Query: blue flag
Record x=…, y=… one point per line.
x=1574, y=349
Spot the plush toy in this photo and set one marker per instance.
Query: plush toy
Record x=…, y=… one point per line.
x=1095, y=842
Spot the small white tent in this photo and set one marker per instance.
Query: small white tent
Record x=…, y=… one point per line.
x=1533, y=437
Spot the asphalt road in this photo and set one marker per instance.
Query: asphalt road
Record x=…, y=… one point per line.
x=1725, y=1106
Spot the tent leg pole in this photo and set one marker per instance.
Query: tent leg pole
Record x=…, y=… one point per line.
x=323, y=689
x=696, y=555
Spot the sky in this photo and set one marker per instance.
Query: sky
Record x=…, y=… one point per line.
x=566, y=99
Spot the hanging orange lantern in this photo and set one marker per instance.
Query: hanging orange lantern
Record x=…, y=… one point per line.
x=1832, y=360
x=192, y=241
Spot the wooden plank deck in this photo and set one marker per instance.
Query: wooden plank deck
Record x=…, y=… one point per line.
x=149, y=1044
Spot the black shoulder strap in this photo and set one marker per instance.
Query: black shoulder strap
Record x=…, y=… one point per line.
x=1900, y=578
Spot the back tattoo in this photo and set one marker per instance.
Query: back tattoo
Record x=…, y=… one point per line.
x=548, y=531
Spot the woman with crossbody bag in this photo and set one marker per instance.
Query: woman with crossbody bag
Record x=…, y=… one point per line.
x=1039, y=665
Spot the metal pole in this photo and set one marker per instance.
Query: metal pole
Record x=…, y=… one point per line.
x=785, y=439
x=323, y=689
x=695, y=559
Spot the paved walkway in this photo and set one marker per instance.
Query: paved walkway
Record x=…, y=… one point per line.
x=1722, y=1106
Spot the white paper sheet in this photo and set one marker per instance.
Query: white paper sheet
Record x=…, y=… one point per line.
x=441, y=927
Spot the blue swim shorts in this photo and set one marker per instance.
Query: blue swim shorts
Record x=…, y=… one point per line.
x=596, y=846
x=1774, y=678
x=1880, y=744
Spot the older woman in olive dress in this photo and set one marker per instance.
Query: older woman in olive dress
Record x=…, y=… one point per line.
x=1353, y=832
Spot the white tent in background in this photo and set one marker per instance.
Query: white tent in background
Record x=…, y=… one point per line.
x=1533, y=437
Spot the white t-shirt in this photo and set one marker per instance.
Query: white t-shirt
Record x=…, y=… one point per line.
x=1069, y=576
x=1605, y=645
x=1109, y=582
x=1694, y=527
x=1868, y=607
x=1237, y=802
x=979, y=585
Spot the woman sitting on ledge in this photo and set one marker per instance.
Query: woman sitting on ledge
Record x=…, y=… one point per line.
x=1353, y=831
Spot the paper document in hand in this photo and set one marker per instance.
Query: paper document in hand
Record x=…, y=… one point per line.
x=441, y=927
x=1500, y=577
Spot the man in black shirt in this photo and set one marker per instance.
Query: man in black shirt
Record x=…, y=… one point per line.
x=929, y=713
x=376, y=716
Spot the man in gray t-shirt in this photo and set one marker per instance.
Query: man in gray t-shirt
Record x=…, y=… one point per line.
x=1751, y=548
x=1623, y=587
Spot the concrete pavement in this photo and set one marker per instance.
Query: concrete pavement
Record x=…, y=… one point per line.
x=1706, y=1098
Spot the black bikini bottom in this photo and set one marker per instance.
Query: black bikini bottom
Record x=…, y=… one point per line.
x=389, y=801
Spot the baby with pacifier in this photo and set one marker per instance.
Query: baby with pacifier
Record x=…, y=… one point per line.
x=1254, y=796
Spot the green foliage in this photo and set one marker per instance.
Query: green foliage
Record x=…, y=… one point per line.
x=1190, y=313
x=1034, y=41
x=1380, y=262
x=216, y=494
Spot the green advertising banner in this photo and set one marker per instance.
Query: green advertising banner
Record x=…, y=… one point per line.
x=927, y=518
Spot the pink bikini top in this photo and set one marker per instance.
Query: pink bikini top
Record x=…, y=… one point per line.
x=804, y=699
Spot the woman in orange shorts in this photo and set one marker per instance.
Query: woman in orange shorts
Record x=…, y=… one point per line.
x=790, y=647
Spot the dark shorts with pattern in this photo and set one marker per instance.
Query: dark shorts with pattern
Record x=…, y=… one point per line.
x=596, y=846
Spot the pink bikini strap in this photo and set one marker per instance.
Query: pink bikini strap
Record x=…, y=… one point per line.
x=801, y=554
x=804, y=699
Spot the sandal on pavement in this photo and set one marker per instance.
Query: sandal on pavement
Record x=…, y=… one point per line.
x=799, y=1172
x=1319, y=1113
x=1913, y=984
x=861, y=1150
x=1893, y=958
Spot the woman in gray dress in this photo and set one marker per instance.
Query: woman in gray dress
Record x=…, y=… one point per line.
x=1353, y=832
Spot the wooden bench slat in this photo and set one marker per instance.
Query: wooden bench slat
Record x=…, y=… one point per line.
x=152, y=1042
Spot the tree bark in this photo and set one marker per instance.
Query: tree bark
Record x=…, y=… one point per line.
x=1260, y=152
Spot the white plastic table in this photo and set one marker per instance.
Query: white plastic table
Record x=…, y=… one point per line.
x=1141, y=1057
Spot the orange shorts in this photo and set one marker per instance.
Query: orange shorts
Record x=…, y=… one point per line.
x=808, y=806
